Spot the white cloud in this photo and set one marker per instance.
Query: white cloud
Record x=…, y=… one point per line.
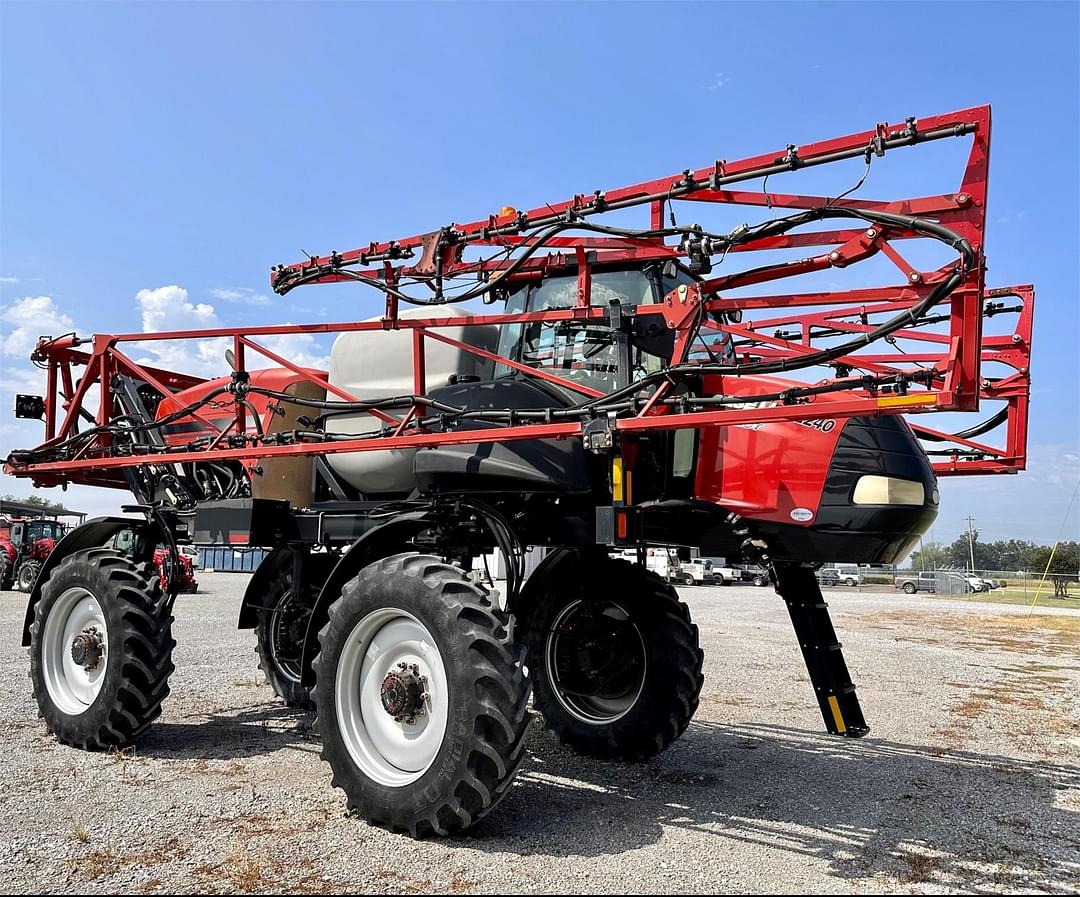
x=299, y=348
x=28, y=318
x=242, y=295
x=169, y=308
x=718, y=81
x=7, y=278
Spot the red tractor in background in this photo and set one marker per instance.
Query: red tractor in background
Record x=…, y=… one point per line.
x=25, y=544
x=569, y=387
x=185, y=573
x=175, y=575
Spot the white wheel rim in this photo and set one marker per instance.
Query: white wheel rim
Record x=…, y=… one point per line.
x=593, y=709
x=73, y=687
x=391, y=752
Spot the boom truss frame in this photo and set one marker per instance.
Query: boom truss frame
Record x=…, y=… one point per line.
x=945, y=376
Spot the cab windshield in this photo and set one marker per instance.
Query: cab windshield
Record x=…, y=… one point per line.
x=583, y=352
x=43, y=530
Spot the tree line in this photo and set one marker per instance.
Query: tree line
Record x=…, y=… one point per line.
x=49, y=507
x=1008, y=555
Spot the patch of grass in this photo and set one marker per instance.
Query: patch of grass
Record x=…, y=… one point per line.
x=400, y=881
x=247, y=875
x=107, y=860
x=920, y=866
x=1054, y=634
x=1014, y=596
x=81, y=834
x=257, y=874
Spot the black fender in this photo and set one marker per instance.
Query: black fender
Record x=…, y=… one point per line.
x=561, y=565
x=262, y=577
x=382, y=541
x=92, y=534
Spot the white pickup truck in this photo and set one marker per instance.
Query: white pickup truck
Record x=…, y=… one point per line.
x=725, y=576
x=699, y=572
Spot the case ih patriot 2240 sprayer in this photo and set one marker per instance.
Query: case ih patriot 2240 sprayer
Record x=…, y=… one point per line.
x=568, y=383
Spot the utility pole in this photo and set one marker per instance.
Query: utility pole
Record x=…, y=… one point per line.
x=971, y=541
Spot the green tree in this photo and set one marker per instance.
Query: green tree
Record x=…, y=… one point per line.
x=1063, y=562
x=1011, y=554
x=931, y=556
x=36, y=501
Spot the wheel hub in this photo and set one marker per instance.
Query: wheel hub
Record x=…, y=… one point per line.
x=402, y=693
x=87, y=648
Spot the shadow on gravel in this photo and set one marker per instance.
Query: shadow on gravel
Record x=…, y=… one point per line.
x=232, y=735
x=966, y=820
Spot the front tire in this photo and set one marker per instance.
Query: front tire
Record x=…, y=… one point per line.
x=100, y=649
x=27, y=574
x=615, y=677
x=422, y=696
x=280, y=627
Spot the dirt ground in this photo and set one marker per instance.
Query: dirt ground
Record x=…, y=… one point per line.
x=969, y=780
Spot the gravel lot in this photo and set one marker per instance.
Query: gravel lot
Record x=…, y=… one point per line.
x=969, y=780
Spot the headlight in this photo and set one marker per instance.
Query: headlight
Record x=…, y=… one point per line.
x=877, y=490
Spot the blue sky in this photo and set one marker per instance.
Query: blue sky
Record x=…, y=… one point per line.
x=158, y=158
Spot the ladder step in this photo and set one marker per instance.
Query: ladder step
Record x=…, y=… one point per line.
x=821, y=650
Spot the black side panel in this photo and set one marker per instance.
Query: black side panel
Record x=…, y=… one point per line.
x=243, y=521
x=874, y=445
x=520, y=466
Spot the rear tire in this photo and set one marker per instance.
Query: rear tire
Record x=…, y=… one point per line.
x=100, y=649
x=280, y=627
x=27, y=574
x=616, y=678
x=909, y=587
x=422, y=696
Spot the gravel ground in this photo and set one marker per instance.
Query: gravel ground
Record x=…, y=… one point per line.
x=970, y=779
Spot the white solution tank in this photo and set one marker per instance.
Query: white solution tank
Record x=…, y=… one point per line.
x=378, y=364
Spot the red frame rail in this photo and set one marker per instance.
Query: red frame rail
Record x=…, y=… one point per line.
x=955, y=354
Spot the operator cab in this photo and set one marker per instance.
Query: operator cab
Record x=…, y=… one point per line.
x=587, y=352
x=598, y=355
x=30, y=531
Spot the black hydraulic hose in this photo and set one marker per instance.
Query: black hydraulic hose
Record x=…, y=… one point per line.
x=985, y=427
x=574, y=217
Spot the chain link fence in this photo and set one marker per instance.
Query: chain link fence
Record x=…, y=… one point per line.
x=1008, y=584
